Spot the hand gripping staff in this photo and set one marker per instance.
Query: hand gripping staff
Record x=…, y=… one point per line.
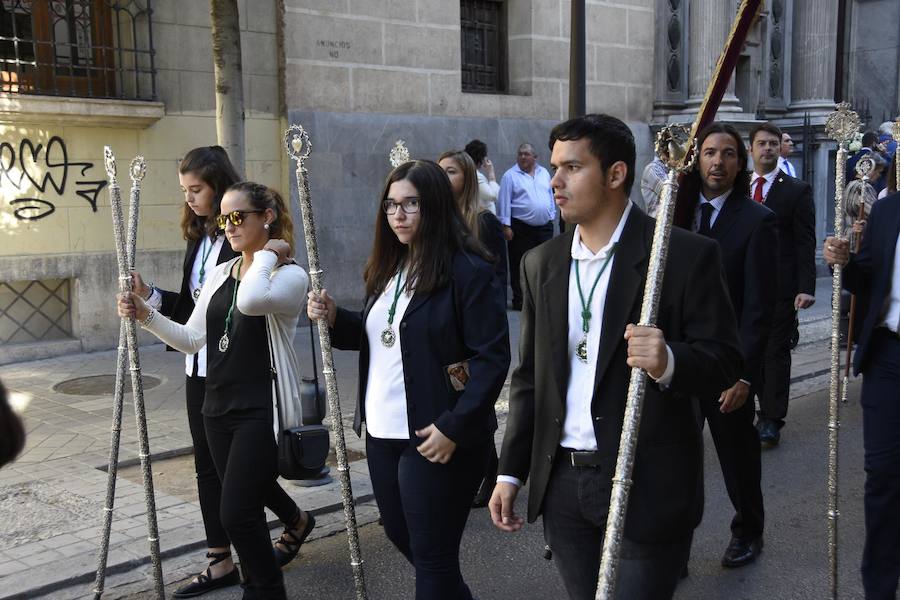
x=125, y=253
x=296, y=142
x=842, y=126
x=675, y=148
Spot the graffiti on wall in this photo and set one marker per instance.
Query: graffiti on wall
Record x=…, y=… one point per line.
x=48, y=170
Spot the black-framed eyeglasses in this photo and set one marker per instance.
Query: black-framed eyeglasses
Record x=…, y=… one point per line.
x=236, y=217
x=409, y=206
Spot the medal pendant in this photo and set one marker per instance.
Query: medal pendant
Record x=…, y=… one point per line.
x=196, y=294
x=388, y=337
x=581, y=350
x=223, y=343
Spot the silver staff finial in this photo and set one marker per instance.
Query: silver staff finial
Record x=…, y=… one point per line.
x=843, y=124
x=672, y=144
x=137, y=169
x=296, y=143
x=109, y=160
x=895, y=130
x=865, y=166
x=399, y=154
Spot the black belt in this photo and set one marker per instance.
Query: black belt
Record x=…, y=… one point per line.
x=580, y=458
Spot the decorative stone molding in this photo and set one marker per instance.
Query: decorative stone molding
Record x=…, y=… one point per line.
x=93, y=112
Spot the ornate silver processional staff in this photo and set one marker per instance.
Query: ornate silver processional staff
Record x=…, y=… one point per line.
x=125, y=253
x=296, y=142
x=672, y=145
x=895, y=133
x=842, y=126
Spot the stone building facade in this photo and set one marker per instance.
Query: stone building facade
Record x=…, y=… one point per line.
x=359, y=75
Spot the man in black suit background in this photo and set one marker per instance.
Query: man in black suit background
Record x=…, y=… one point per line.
x=582, y=292
x=875, y=273
x=747, y=235
x=792, y=202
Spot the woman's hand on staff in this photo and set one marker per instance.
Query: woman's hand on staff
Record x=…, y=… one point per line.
x=281, y=248
x=859, y=226
x=138, y=286
x=437, y=447
x=836, y=251
x=132, y=306
x=321, y=306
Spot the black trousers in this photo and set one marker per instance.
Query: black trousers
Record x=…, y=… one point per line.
x=525, y=237
x=775, y=379
x=243, y=449
x=881, y=440
x=424, y=507
x=576, y=505
x=737, y=445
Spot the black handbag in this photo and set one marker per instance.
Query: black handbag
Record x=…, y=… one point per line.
x=302, y=451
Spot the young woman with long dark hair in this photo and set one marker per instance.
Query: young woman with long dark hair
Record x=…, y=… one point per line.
x=434, y=353
x=248, y=309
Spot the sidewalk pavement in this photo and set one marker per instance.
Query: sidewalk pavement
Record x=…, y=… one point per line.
x=52, y=497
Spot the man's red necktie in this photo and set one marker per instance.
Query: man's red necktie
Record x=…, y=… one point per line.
x=758, y=192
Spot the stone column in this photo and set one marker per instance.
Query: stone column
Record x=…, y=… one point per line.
x=710, y=22
x=813, y=58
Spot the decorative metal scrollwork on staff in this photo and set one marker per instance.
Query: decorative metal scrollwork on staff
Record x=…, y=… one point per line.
x=895, y=133
x=297, y=144
x=128, y=349
x=399, y=154
x=672, y=147
x=841, y=125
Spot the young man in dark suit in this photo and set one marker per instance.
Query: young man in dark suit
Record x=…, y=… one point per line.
x=792, y=202
x=747, y=235
x=875, y=273
x=582, y=293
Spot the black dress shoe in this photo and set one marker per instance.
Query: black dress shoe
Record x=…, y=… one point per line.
x=205, y=582
x=769, y=434
x=741, y=552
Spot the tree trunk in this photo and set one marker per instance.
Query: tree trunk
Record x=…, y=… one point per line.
x=226, y=44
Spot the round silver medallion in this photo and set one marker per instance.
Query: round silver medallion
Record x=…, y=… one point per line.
x=388, y=337
x=581, y=350
x=196, y=293
x=223, y=343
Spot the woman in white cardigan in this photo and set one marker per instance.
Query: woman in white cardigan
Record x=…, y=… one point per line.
x=248, y=310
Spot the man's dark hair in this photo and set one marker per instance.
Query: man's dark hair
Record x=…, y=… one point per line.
x=870, y=139
x=692, y=181
x=768, y=128
x=12, y=433
x=477, y=150
x=611, y=141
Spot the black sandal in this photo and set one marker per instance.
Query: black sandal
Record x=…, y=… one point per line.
x=291, y=541
x=205, y=582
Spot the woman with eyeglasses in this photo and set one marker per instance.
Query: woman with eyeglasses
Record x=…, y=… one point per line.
x=248, y=309
x=433, y=355
x=460, y=170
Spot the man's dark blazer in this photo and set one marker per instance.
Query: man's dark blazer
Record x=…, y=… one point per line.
x=179, y=305
x=747, y=233
x=698, y=322
x=869, y=272
x=792, y=202
x=465, y=320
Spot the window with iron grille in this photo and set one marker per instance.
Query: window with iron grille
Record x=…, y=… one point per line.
x=35, y=311
x=82, y=48
x=483, y=35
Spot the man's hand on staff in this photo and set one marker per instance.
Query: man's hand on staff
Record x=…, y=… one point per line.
x=502, y=506
x=647, y=349
x=132, y=306
x=507, y=232
x=836, y=251
x=321, y=306
x=734, y=397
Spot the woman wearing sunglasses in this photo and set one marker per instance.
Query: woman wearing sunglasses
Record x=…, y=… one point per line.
x=248, y=309
x=434, y=353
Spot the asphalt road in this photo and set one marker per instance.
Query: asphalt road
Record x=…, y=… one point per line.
x=792, y=566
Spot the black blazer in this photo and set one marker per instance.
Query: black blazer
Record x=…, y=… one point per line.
x=792, y=202
x=666, y=500
x=179, y=305
x=462, y=321
x=747, y=233
x=869, y=272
